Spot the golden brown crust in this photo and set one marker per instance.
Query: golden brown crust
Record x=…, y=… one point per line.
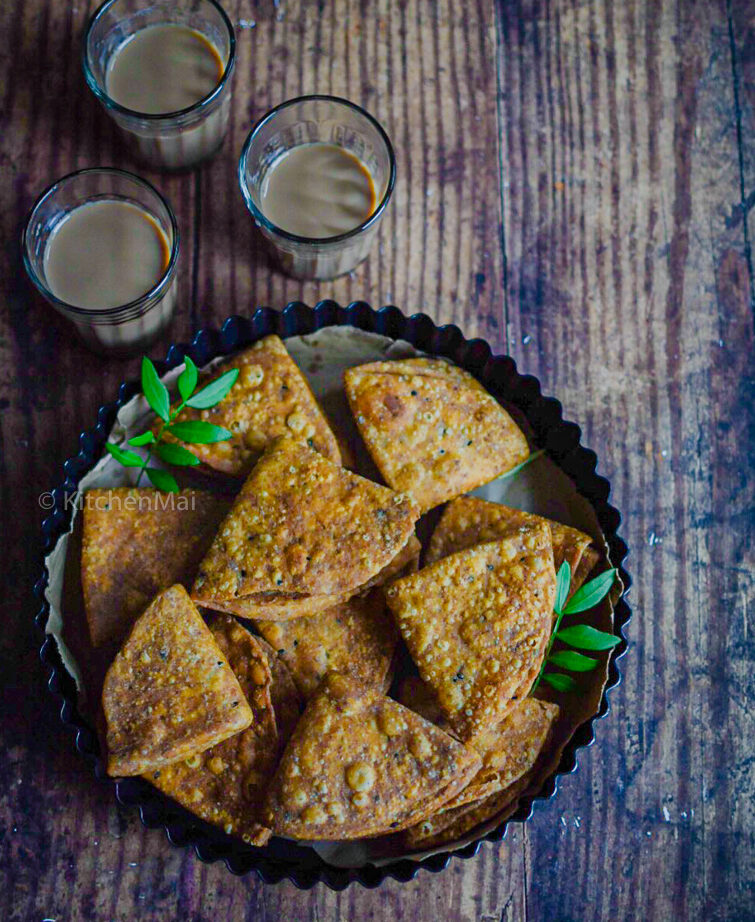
x=271, y=397
x=273, y=606
x=467, y=521
x=287, y=702
x=477, y=624
x=448, y=826
x=136, y=542
x=225, y=785
x=301, y=524
x=432, y=429
x=359, y=765
x=508, y=749
x=357, y=638
x=170, y=691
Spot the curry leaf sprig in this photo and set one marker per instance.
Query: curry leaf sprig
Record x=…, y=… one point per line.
x=196, y=432
x=579, y=636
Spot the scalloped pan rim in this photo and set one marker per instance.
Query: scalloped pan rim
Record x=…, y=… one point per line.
x=283, y=860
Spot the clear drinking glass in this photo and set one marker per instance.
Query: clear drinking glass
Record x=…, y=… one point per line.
x=305, y=120
x=173, y=140
x=129, y=328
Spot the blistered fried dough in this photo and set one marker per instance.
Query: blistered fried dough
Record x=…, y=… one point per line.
x=406, y=561
x=271, y=397
x=287, y=701
x=432, y=431
x=360, y=765
x=301, y=524
x=225, y=785
x=170, y=692
x=508, y=749
x=430, y=367
x=477, y=623
x=357, y=638
x=450, y=825
x=273, y=606
x=467, y=521
x=137, y=542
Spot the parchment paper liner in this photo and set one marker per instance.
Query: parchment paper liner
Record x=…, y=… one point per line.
x=541, y=488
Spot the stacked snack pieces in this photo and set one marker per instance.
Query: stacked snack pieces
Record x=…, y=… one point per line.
x=450, y=825
x=431, y=428
x=170, y=692
x=509, y=751
x=477, y=625
x=225, y=784
x=356, y=637
x=285, y=696
x=468, y=521
x=137, y=541
x=281, y=723
x=359, y=764
x=302, y=530
x=271, y=397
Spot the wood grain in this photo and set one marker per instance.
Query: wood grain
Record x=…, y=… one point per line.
x=576, y=184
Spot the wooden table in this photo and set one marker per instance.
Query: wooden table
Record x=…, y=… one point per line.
x=575, y=185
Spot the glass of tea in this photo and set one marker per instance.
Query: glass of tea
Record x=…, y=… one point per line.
x=101, y=245
x=162, y=70
x=317, y=173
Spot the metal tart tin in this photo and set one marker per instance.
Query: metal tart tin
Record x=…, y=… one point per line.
x=282, y=859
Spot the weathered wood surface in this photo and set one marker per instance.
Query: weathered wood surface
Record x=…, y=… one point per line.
x=576, y=181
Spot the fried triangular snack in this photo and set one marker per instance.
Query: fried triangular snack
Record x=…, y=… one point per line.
x=287, y=702
x=170, y=691
x=508, y=749
x=360, y=765
x=225, y=785
x=467, y=521
x=429, y=367
x=357, y=638
x=301, y=524
x=431, y=431
x=448, y=826
x=137, y=541
x=271, y=397
x=477, y=624
x=275, y=606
